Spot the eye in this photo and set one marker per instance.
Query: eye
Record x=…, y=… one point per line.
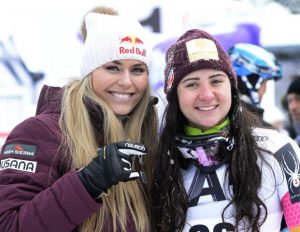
x=138, y=70
x=289, y=100
x=191, y=84
x=112, y=68
x=216, y=81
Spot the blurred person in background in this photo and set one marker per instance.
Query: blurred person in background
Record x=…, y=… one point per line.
x=293, y=106
x=254, y=67
x=77, y=164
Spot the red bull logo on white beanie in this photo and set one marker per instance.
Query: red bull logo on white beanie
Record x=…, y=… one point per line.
x=112, y=37
x=132, y=44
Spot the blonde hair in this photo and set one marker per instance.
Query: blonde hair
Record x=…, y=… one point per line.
x=82, y=143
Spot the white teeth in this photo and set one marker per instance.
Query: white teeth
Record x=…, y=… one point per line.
x=206, y=108
x=121, y=95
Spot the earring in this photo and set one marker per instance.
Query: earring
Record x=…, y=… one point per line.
x=171, y=160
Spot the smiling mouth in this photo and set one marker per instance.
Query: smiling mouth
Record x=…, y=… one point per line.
x=206, y=108
x=121, y=95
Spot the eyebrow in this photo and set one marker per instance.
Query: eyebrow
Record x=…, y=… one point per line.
x=116, y=62
x=120, y=63
x=218, y=74
x=191, y=79
x=197, y=78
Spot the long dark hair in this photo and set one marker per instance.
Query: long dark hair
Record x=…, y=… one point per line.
x=168, y=198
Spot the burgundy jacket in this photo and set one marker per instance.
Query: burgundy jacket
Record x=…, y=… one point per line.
x=38, y=189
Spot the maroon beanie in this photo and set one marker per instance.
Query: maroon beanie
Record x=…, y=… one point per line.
x=195, y=50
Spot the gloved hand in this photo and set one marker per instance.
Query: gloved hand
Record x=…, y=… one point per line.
x=111, y=165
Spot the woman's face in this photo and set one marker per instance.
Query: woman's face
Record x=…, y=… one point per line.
x=121, y=84
x=205, y=97
x=293, y=101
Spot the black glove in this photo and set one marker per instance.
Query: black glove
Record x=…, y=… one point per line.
x=111, y=165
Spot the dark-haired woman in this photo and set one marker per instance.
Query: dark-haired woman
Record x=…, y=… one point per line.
x=216, y=168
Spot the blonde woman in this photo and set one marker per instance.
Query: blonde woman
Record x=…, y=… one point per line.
x=76, y=165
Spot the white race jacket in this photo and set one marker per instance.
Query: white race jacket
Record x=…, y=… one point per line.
x=280, y=190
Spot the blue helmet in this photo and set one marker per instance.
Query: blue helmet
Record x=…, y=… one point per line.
x=251, y=59
x=253, y=65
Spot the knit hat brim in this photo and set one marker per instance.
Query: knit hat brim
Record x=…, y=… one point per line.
x=195, y=50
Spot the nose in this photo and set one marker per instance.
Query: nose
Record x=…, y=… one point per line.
x=291, y=105
x=205, y=92
x=294, y=107
x=125, y=79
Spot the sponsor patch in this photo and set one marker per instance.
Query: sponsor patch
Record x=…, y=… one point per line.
x=170, y=80
x=20, y=149
x=18, y=164
x=202, y=49
x=135, y=146
x=289, y=162
x=261, y=138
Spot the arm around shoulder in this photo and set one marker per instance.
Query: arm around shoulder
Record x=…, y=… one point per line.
x=34, y=195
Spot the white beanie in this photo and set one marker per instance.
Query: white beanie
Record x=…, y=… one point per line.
x=112, y=37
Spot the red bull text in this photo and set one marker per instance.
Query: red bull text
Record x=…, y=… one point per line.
x=131, y=44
